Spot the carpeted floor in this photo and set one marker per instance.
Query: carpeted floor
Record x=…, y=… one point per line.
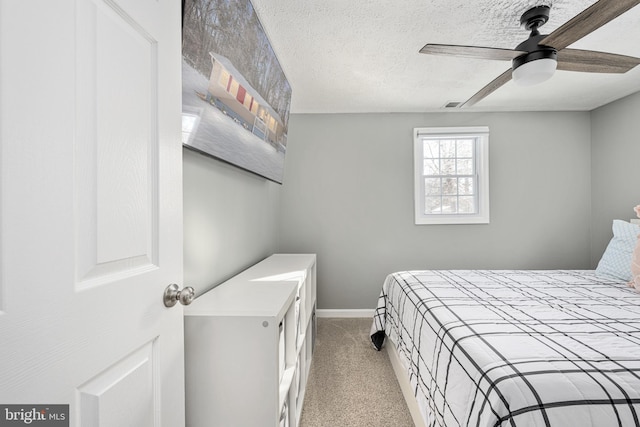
x=350, y=384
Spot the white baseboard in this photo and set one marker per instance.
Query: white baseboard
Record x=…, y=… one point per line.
x=344, y=313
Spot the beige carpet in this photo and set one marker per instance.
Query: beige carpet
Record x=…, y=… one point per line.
x=350, y=384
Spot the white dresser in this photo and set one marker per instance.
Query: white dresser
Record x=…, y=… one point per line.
x=248, y=346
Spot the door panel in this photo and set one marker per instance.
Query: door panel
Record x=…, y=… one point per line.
x=91, y=209
x=100, y=399
x=117, y=135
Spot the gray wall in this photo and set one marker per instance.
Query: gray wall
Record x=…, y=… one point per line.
x=615, y=179
x=230, y=220
x=348, y=196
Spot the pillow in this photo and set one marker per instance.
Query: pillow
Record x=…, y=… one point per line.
x=616, y=260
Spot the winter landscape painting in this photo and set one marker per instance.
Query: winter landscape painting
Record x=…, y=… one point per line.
x=235, y=96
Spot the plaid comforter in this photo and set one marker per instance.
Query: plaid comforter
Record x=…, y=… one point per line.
x=515, y=348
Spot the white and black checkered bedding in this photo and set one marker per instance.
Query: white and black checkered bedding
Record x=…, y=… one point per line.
x=515, y=348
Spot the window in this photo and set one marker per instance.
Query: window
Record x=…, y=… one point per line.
x=451, y=175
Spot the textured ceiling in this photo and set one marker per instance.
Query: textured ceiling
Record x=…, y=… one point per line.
x=362, y=56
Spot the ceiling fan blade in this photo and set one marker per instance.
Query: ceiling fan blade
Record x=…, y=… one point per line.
x=471, y=51
x=590, y=61
x=488, y=89
x=587, y=21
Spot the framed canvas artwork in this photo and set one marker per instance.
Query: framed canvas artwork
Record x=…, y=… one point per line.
x=235, y=95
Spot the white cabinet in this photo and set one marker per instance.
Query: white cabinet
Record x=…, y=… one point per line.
x=248, y=346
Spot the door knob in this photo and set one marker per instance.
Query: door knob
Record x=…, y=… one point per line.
x=173, y=294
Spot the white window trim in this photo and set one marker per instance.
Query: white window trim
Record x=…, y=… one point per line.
x=482, y=165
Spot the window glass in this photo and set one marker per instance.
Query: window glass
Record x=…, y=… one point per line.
x=451, y=175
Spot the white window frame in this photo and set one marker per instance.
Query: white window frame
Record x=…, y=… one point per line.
x=481, y=154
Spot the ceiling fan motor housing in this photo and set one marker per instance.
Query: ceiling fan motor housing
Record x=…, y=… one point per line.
x=534, y=51
x=535, y=66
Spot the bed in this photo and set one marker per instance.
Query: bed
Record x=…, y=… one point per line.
x=515, y=348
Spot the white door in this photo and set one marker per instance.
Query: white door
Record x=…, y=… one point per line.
x=91, y=209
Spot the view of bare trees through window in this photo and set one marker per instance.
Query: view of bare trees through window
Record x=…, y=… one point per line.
x=449, y=176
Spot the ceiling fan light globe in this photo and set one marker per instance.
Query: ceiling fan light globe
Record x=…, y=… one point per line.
x=534, y=72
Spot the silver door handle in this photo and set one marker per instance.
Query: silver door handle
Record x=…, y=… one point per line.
x=173, y=294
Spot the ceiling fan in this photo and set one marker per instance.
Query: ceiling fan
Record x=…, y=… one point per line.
x=536, y=59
